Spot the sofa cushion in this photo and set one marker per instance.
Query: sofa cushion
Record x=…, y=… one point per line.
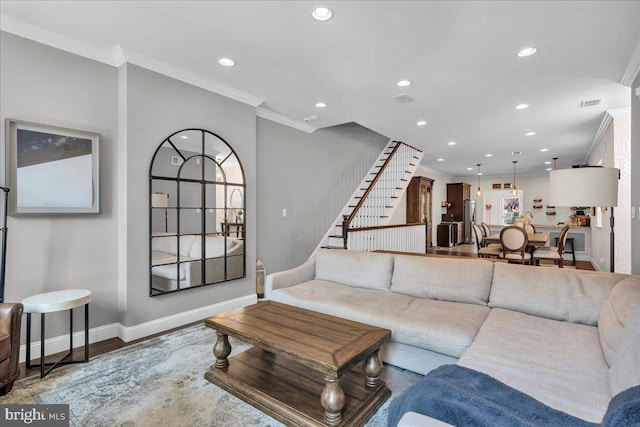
x=446, y=279
x=360, y=269
x=561, y=364
x=625, y=367
x=562, y=294
x=617, y=311
x=441, y=326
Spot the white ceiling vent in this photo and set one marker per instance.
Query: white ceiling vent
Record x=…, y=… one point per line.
x=591, y=103
x=516, y=153
x=403, y=98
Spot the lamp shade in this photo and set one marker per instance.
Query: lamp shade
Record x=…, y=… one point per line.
x=159, y=200
x=588, y=186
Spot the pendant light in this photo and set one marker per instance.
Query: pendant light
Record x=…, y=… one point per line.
x=479, y=191
x=554, y=162
x=514, y=190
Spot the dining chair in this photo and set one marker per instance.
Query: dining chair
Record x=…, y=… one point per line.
x=556, y=254
x=530, y=228
x=514, y=242
x=486, y=229
x=492, y=250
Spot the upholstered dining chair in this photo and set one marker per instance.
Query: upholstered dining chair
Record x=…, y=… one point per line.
x=529, y=228
x=556, y=254
x=514, y=242
x=492, y=250
x=485, y=228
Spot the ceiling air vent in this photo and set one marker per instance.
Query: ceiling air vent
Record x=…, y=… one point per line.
x=403, y=98
x=591, y=103
x=515, y=153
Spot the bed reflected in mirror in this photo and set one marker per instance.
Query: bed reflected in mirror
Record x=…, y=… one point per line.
x=196, y=213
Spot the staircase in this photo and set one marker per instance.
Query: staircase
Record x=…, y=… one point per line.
x=374, y=202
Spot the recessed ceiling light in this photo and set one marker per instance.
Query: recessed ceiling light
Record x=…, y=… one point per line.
x=184, y=137
x=528, y=51
x=469, y=169
x=479, y=173
x=530, y=133
x=404, y=83
x=451, y=143
x=544, y=149
x=547, y=163
x=521, y=106
x=421, y=123
x=549, y=169
x=441, y=160
x=226, y=62
x=488, y=155
x=321, y=104
x=321, y=13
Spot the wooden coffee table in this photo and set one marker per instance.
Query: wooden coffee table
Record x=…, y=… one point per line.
x=302, y=369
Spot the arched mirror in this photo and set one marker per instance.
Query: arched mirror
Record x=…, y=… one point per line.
x=196, y=213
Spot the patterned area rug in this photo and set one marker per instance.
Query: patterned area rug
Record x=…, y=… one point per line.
x=160, y=382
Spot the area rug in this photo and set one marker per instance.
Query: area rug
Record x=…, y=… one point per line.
x=160, y=382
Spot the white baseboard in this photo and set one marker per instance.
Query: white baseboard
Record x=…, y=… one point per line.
x=130, y=333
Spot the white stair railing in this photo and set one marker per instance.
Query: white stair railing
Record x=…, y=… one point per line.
x=377, y=197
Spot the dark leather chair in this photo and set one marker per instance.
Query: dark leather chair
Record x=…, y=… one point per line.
x=10, y=321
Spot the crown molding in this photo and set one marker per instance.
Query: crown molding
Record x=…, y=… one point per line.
x=609, y=115
x=31, y=32
x=633, y=68
x=606, y=120
x=284, y=120
x=120, y=55
x=135, y=58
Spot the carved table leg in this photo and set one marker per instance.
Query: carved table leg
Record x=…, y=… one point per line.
x=372, y=368
x=332, y=400
x=221, y=349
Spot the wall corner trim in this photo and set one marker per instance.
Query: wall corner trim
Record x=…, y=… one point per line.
x=131, y=333
x=284, y=120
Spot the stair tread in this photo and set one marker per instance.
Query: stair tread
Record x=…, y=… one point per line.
x=332, y=247
x=337, y=236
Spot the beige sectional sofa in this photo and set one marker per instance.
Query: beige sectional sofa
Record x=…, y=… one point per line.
x=568, y=338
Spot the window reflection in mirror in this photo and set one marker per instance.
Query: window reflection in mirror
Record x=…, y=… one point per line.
x=196, y=213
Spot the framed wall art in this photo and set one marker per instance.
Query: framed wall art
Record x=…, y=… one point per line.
x=496, y=186
x=51, y=170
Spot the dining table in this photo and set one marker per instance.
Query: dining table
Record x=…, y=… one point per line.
x=535, y=239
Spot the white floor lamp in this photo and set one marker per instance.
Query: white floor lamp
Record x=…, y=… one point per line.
x=586, y=186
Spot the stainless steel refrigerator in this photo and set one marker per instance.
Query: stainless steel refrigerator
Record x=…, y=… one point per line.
x=469, y=217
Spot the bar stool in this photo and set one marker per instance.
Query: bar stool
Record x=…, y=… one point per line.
x=566, y=251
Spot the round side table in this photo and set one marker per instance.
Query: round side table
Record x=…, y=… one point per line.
x=51, y=302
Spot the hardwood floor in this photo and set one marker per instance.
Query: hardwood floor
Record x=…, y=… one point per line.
x=95, y=349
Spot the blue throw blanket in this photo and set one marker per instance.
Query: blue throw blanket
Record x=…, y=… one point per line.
x=464, y=397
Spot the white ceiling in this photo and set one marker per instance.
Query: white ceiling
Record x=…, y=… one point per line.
x=460, y=56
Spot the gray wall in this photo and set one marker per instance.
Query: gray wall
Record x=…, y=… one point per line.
x=312, y=176
x=54, y=252
x=156, y=107
x=635, y=176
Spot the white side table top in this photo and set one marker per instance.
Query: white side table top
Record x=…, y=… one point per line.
x=56, y=301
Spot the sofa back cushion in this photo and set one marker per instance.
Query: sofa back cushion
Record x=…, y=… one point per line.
x=559, y=294
x=352, y=268
x=214, y=246
x=625, y=367
x=445, y=279
x=169, y=244
x=617, y=313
